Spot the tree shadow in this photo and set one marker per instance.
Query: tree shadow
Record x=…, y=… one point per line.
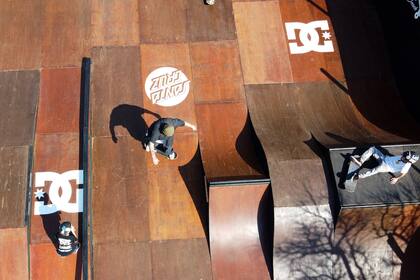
x=130, y=117
x=193, y=175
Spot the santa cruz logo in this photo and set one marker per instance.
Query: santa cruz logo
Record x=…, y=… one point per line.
x=59, y=201
x=167, y=86
x=309, y=37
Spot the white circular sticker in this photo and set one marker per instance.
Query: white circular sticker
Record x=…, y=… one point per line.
x=167, y=86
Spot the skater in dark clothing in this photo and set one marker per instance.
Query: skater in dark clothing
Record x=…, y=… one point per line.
x=67, y=240
x=160, y=137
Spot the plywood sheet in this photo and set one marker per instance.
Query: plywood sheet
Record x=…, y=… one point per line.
x=114, y=82
x=225, y=141
x=173, y=208
x=181, y=259
x=14, y=254
x=59, y=101
x=21, y=35
x=114, y=23
x=168, y=55
x=163, y=23
x=135, y=261
x=307, y=66
x=262, y=42
x=217, y=71
x=18, y=98
x=47, y=264
x=53, y=153
x=236, y=232
x=66, y=27
x=119, y=191
x=13, y=186
x=210, y=23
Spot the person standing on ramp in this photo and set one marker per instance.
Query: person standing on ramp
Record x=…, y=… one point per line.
x=160, y=137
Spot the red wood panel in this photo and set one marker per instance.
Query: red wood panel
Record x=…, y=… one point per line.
x=66, y=27
x=262, y=42
x=14, y=254
x=170, y=55
x=47, y=264
x=216, y=69
x=20, y=34
x=171, y=19
x=235, y=243
x=306, y=66
x=59, y=101
x=115, y=22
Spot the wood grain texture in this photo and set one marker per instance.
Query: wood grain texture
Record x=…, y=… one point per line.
x=127, y=260
x=59, y=101
x=115, y=23
x=210, y=23
x=306, y=67
x=163, y=23
x=216, y=70
x=262, y=42
x=18, y=98
x=14, y=254
x=119, y=182
x=235, y=232
x=225, y=141
x=20, y=34
x=47, y=264
x=115, y=81
x=181, y=259
x=13, y=186
x=171, y=55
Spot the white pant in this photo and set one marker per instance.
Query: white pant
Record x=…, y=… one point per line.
x=379, y=156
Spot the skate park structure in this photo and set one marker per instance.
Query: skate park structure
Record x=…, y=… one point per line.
x=253, y=193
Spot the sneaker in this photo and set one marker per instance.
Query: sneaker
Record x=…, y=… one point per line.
x=355, y=177
x=146, y=147
x=355, y=160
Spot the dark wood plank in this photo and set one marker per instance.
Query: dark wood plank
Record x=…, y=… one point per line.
x=21, y=35
x=13, y=186
x=115, y=81
x=217, y=71
x=114, y=23
x=236, y=230
x=66, y=29
x=18, y=98
x=210, y=23
x=119, y=182
x=59, y=101
x=181, y=259
x=262, y=42
x=225, y=141
x=136, y=261
x=171, y=20
x=14, y=254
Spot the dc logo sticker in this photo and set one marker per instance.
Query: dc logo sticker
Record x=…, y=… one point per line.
x=167, y=86
x=58, y=202
x=309, y=37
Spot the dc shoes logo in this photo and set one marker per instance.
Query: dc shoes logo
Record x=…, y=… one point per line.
x=167, y=86
x=59, y=202
x=309, y=37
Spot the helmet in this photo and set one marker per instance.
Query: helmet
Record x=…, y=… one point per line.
x=65, y=228
x=412, y=157
x=168, y=130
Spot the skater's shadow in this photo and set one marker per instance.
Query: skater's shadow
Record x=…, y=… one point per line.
x=131, y=118
x=51, y=223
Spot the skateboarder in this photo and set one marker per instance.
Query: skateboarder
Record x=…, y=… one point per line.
x=67, y=240
x=394, y=164
x=160, y=137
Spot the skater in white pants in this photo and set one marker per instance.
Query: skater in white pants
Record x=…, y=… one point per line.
x=394, y=164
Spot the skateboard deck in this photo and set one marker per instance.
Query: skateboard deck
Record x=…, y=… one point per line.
x=349, y=184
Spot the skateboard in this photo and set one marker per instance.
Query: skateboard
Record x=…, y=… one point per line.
x=350, y=185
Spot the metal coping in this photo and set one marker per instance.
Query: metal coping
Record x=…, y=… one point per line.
x=380, y=205
x=238, y=182
x=384, y=146
x=85, y=91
